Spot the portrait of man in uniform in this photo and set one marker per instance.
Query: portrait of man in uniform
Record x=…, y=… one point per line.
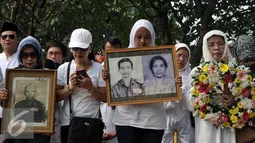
x=31, y=104
x=127, y=86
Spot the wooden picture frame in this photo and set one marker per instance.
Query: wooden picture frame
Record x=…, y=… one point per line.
x=141, y=75
x=33, y=90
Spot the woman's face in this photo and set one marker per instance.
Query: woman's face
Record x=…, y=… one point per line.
x=80, y=54
x=216, y=46
x=182, y=55
x=29, y=56
x=158, y=68
x=142, y=37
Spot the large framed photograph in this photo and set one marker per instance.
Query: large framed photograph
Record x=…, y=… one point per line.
x=141, y=75
x=31, y=99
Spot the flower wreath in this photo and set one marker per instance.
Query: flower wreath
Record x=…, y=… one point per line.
x=207, y=85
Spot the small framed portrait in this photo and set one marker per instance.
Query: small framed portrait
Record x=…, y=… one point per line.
x=141, y=75
x=31, y=101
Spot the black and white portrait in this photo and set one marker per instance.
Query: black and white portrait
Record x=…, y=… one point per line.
x=158, y=74
x=31, y=94
x=127, y=77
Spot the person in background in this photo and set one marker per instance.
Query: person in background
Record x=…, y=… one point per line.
x=245, y=47
x=9, y=43
x=30, y=56
x=55, y=53
x=214, y=49
x=107, y=112
x=177, y=113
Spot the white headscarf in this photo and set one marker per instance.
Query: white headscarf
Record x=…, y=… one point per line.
x=187, y=66
x=141, y=23
x=206, y=53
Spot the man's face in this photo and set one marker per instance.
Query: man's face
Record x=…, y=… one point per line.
x=55, y=54
x=30, y=92
x=125, y=69
x=9, y=41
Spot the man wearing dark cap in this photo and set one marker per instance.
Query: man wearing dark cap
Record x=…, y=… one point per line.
x=9, y=42
x=8, y=58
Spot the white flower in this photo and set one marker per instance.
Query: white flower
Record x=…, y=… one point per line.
x=244, y=84
x=213, y=78
x=247, y=103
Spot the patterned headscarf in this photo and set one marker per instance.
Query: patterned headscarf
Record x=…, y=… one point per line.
x=245, y=48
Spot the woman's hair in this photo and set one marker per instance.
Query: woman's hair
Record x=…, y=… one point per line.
x=55, y=43
x=125, y=60
x=157, y=58
x=114, y=41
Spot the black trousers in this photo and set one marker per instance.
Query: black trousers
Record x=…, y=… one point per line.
x=128, y=134
x=64, y=134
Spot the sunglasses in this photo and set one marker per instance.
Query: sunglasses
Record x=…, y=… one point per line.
x=32, y=55
x=4, y=37
x=79, y=49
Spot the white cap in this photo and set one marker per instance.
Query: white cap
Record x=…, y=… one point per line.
x=80, y=38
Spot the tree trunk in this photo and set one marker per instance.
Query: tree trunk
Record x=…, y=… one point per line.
x=14, y=11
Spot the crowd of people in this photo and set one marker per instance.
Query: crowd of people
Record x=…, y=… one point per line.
x=81, y=114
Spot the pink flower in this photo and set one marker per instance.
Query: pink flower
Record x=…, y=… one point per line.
x=203, y=108
x=246, y=116
x=215, y=120
x=203, y=88
x=228, y=78
x=212, y=69
x=241, y=75
x=224, y=118
x=246, y=92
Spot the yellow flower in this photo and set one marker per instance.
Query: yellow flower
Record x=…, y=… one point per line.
x=249, y=78
x=196, y=106
x=253, y=97
x=233, y=118
x=253, y=90
x=202, y=78
x=237, y=80
x=195, y=92
x=252, y=115
x=235, y=69
x=234, y=111
x=224, y=68
x=238, y=90
x=202, y=114
x=207, y=100
x=205, y=68
x=226, y=124
x=239, y=105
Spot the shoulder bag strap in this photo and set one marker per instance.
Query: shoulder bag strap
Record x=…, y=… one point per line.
x=67, y=83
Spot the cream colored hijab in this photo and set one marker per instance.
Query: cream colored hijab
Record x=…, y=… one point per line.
x=187, y=66
x=141, y=23
x=206, y=53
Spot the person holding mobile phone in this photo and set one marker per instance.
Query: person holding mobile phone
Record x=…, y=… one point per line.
x=83, y=92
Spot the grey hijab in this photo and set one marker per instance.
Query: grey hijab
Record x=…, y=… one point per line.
x=245, y=48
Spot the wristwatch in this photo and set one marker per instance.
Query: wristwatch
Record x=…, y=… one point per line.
x=69, y=90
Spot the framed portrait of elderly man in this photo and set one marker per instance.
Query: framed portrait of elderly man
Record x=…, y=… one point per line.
x=31, y=101
x=141, y=75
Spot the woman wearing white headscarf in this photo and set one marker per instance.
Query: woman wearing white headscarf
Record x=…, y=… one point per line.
x=177, y=113
x=214, y=49
x=143, y=123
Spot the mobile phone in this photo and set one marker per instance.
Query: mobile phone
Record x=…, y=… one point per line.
x=82, y=72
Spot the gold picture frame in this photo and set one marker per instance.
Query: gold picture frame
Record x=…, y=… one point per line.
x=33, y=90
x=144, y=82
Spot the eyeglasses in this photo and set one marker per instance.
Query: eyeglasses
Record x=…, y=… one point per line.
x=80, y=49
x=4, y=37
x=32, y=55
x=54, y=53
